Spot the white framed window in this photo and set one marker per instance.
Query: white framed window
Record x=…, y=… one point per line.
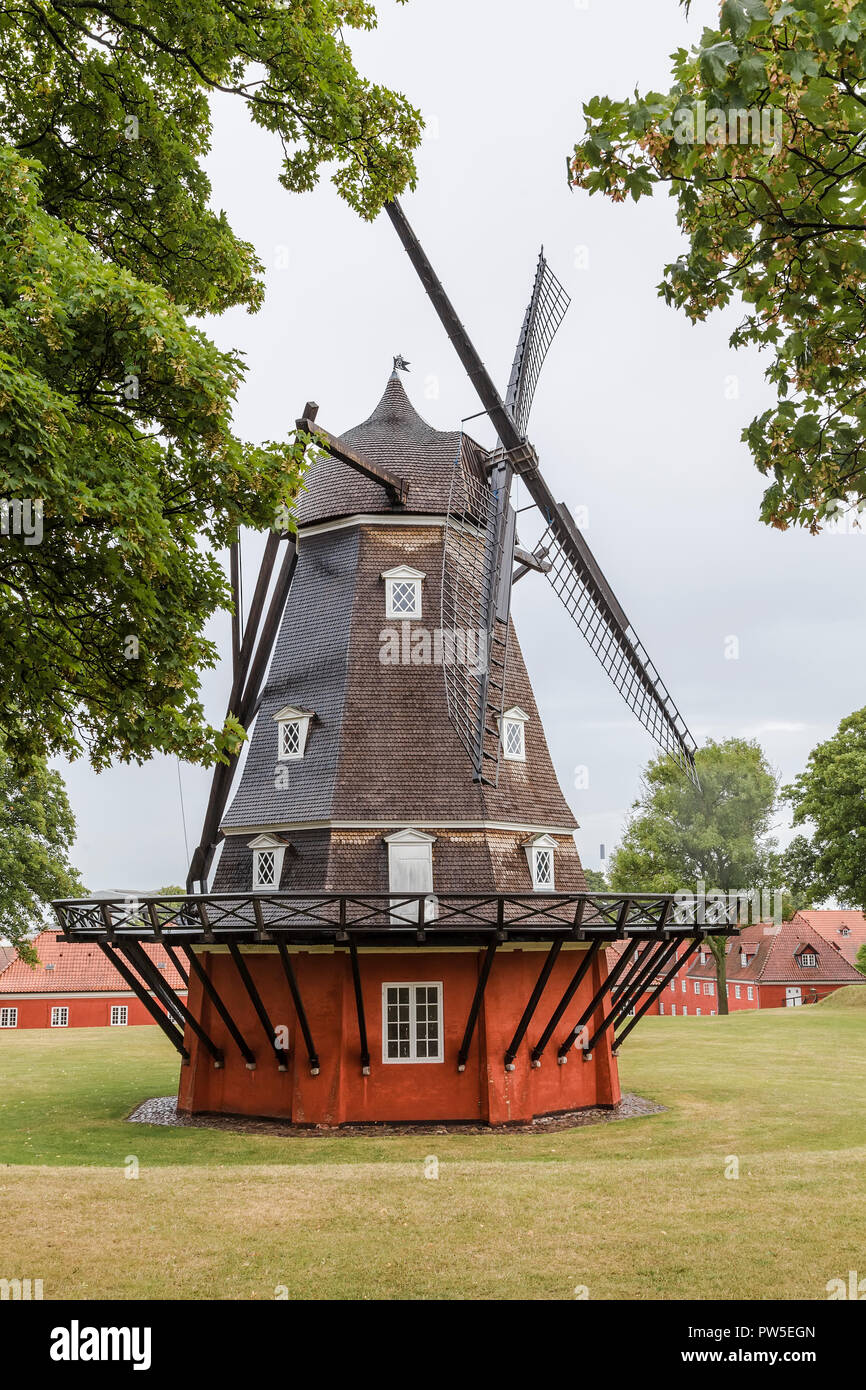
x=697, y=986
x=698, y=1013
x=59, y=1016
x=844, y=931
x=8, y=1018
x=737, y=992
x=744, y=960
x=540, y=851
x=661, y=1008
x=808, y=960
x=412, y=1022
x=683, y=986
x=293, y=726
x=410, y=871
x=119, y=1015
x=709, y=987
x=750, y=993
x=685, y=1009
x=513, y=733
x=268, y=855
x=403, y=592
x=673, y=986
x=673, y=1010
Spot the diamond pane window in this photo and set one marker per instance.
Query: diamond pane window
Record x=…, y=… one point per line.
x=412, y=1023
x=265, y=868
x=290, y=739
x=403, y=592
x=544, y=868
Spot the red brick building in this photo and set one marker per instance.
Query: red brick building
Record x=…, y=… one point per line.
x=74, y=986
x=845, y=929
x=768, y=968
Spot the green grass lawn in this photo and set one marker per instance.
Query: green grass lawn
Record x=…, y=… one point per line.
x=638, y=1209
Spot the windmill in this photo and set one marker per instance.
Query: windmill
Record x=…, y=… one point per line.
x=477, y=581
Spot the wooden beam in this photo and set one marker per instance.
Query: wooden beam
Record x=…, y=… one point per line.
x=397, y=487
x=173, y=1033
x=476, y=1005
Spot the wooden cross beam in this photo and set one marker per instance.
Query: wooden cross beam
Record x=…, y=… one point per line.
x=397, y=487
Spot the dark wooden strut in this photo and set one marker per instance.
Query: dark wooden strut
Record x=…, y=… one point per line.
x=644, y=968
x=139, y=959
x=620, y=1010
x=481, y=986
x=526, y=1018
x=244, y=693
x=397, y=487
x=173, y=1033
x=576, y=981
x=235, y=576
x=677, y=965
x=210, y=990
x=291, y=979
x=630, y=998
x=359, y=1005
x=604, y=988
x=176, y=962
x=256, y=1001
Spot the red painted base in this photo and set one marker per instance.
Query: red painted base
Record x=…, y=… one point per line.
x=394, y=1091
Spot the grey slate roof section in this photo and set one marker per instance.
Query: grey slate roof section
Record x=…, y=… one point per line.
x=397, y=438
x=308, y=671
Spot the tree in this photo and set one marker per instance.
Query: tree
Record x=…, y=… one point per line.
x=830, y=796
x=119, y=468
x=679, y=835
x=37, y=828
x=759, y=140
x=860, y=962
x=596, y=881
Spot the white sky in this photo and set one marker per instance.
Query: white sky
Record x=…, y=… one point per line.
x=633, y=419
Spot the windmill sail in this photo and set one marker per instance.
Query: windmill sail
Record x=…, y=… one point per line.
x=546, y=309
x=476, y=535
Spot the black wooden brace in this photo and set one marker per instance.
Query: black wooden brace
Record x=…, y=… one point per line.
x=476, y=1005
x=139, y=958
x=576, y=981
x=677, y=966
x=645, y=967
x=255, y=1000
x=291, y=978
x=606, y=985
x=173, y=1033
x=359, y=1005
x=621, y=1008
x=176, y=962
x=534, y=997
x=210, y=990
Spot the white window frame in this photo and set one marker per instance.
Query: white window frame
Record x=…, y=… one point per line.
x=685, y=1010
x=808, y=960
x=291, y=716
x=413, y=986
x=750, y=993
x=9, y=1016
x=119, y=1022
x=738, y=993
x=697, y=986
x=267, y=844
x=697, y=1013
x=539, y=849
x=403, y=575
x=673, y=1010
x=59, y=1016
x=415, y=847
x=514, y=721
x=661, y=1008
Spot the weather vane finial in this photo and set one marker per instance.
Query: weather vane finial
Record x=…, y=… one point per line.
x=400, y=363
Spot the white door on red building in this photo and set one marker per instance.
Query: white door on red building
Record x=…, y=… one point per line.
x=793, y=996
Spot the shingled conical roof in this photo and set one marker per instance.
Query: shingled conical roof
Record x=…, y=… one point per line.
x=396, y=437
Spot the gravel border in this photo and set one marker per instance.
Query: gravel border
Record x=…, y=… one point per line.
x=162, y=1110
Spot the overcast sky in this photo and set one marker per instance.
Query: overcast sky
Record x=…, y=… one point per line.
x=637, y=418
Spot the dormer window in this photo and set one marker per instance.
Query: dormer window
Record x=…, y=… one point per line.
x=844, y=931
x=807, y=960
x=410, y=871
x=539, y=852
x=513, y=725
x=268, y=854
x=293, y=725
x=403, y=592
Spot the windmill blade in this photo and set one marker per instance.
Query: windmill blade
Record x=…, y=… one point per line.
x=547, y=308
x=581, y=584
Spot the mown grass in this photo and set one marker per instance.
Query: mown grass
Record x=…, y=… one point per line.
x=637, y=1209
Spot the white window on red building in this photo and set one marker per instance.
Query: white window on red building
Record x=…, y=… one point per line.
x=412, y=1023
x=808, y=960
x=59, y=1017
x=709, y=987
x=697, y=987
x=673, y=1010
x=698, y=1012
x=685, y=1008
x=661, y=1007
x=737, y=991
x=8, y=1018
x=750, y=992
x=119, y=1015
x=684, y=986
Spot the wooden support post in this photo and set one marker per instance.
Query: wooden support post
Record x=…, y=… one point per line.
x=678, y=964
x=173, y=1033
x=289, y=971
x=576, y=981
x=608, y=984
x=528, y=1012
x=476, y=1005
x=140, y=960
x=210, y=990
x=359, y=1006
x=255, y=1000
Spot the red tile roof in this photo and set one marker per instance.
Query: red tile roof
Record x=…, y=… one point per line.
x=832, y=923
x=7, y=955
x=772, y=953
x=75, y=969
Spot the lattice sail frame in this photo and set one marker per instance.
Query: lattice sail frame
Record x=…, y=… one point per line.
x=471, y=567
x=546, y=310
x=621, y=654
